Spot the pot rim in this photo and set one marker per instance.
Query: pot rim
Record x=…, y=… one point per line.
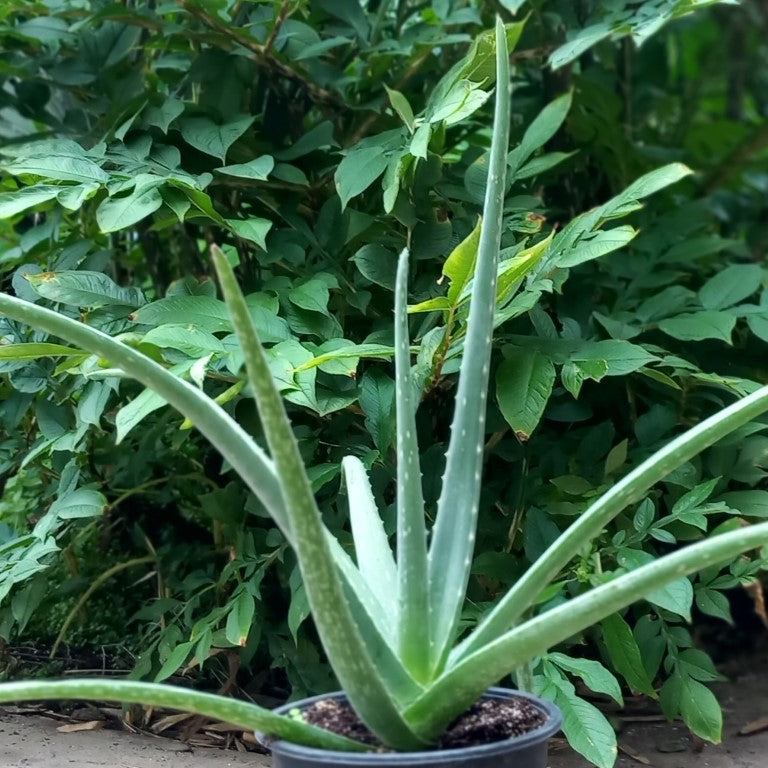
x=427, y=757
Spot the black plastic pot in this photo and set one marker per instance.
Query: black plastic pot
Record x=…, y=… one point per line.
x=526, y=751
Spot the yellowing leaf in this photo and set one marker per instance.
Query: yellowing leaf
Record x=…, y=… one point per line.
x=460, y=265
x=514, y=269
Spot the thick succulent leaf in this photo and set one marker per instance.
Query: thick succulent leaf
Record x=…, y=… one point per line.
x=365, y=684
x=377, y=626
x=453, y=536
x=461, y=685
x=372, y=551
x=250, y=717
x=630, y=489
x=414, y=640
x=234, y=444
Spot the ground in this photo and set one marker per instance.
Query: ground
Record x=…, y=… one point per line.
x=32, y=741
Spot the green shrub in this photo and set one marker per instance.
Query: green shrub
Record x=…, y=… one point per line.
x=135, y=137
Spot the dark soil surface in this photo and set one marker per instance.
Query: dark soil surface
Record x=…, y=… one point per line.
x=485, y=722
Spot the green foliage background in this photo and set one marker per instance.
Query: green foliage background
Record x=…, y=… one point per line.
x=134, y=135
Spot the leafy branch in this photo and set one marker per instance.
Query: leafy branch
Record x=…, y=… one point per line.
x=263, y=56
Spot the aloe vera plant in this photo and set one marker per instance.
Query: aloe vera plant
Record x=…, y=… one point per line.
x=404, y=674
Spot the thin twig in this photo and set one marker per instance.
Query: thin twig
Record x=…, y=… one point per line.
x=264, y=58
x=371, y=120
x=158, y=481
x=282, y=15
x=415, y=66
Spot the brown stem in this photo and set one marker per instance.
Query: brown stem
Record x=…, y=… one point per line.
x=264, y=57
x=282, y=15
x=517, y=518
x=493, y=441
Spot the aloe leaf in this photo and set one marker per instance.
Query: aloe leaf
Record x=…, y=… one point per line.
x=411, y=527
x=359, y=592
x=381, y=645
x=237, y=447
x=377, y=625
x=628, y=490
x=35, y=351
x=234, y=444
x=463, y=684
x=373, y=553
x=453, y=536
x=250, y=717
x=363, y=682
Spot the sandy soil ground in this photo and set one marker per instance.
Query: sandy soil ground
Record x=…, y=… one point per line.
x=31, y=741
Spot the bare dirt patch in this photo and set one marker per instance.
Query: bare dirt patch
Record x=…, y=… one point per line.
x=32, y=741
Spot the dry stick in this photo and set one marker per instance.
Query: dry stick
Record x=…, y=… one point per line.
x=264, y=57
x=638, y=758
